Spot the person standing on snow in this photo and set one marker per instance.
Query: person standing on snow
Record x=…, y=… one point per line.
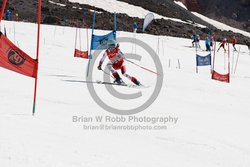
x=234, y=41
x=8, y=15
x=212, y=40
x=222, y=44
x=248, y=45
x=116, y=62
x=207, y=42
x=135, y=27
x=196, y=40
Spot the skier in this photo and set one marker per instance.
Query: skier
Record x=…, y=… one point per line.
x=7, y=15
x=207, y=42
x=196, y=40
x=234, y=41
x=135, y=27
x=248, y=45
x=222, y=44
x=211, y=38
x=116, y=62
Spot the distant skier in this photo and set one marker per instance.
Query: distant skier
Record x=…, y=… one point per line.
x=116, y=62
x=248, y=45
x=207, y=43
x=222, y=45
x=234, y=41
x=212, y=40
x=135, y=27
x=196, y=40
x=8, y=15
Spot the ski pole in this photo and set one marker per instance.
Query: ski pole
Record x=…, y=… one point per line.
x=142, y=67
x=232, y=64
x=107, y=74
x=237, y=61
x=179, y=64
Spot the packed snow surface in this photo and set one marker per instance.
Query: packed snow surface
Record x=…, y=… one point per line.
x=212, y=117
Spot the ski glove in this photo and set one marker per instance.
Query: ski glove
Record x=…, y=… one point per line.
x=99, y=67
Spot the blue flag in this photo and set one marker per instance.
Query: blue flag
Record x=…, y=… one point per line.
x=203, y=60
x=100, y=42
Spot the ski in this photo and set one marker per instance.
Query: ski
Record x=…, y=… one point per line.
x=110, y=83
x=122, y=84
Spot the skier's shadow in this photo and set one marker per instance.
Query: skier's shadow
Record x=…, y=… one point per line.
x=189, y=46
x=61, y=76
x=79, y=81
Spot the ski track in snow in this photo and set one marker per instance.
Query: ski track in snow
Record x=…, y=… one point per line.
x=213, y=117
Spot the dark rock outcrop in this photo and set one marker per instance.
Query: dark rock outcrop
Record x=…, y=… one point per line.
x=233, y=12
x=71, y=14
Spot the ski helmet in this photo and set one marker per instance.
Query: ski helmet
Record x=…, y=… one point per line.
x=111, y=43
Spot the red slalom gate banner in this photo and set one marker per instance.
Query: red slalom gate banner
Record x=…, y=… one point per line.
x=81, y=54
x=14, y=59
x=221, y=77
x=78, y=52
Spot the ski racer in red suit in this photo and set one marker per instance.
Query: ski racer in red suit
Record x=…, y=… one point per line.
x=234, y=41
x=116, y=62
x=222, y=44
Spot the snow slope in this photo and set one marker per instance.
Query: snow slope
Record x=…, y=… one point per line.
x=119, y=7
x=213, y=117
x=123, y=7
x=180, y=4
x=136, y=11
x=57, y=3
x=220, y=25
x=215, y=23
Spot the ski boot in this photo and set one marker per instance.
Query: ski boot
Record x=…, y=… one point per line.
x=135, y=81
x=118, y=79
